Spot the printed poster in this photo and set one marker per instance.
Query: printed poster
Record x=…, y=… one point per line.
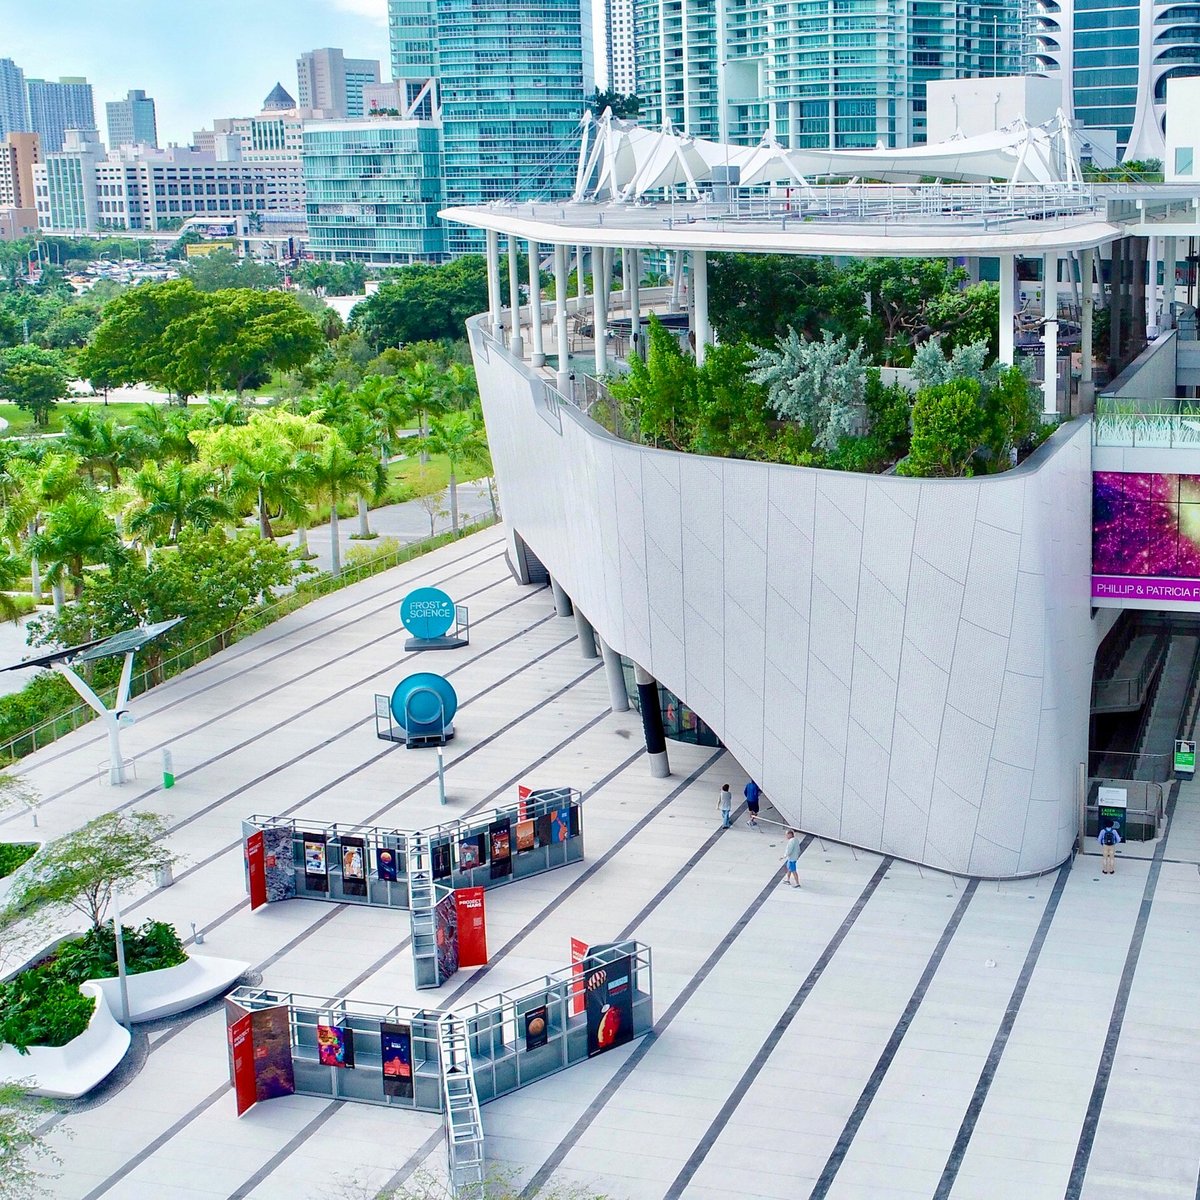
x=500, y=842
x=524, y=832
x=241, y=1063
x=335, y=1046
x=537, y=1027
x=386, y=864
x=396, y=1048
x=573, y=815
x=445, y=916
x=523, y=794
x=442, y=863
x=316, y=866
x=544, y=830
x=354, y=866
x=271, y=1036
x=560, y=825
x=578, y=954
x=470, y=853
x=472, y=927
x=256, y=870
x=608, y=991
x=279, y=864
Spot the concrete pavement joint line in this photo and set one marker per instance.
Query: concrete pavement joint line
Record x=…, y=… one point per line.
x=209, y=664
x=1091, y=1120
x=414, y=1160
x=261, y=696
x=595, y=865
x=739, y=1090
x=967, y=1128
x=873, y=1084
x=542, y=1175
x=294, y=1143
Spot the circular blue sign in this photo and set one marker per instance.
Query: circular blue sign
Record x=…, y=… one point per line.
x=427, y=613
x=424, y=703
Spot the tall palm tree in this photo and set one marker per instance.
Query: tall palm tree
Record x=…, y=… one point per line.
x=222, y=411
x=381, y=399
x=11, y=569
x=337, y=472
x=174, y=495
x=37, y=485
x=361, y=436
x=166, y=431
x=461, y=439
x=77, y=532
x=423, y=397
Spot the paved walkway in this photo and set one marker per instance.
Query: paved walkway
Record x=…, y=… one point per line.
x=883, y=1032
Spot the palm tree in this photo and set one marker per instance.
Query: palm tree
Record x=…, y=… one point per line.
x=361, y=436
x=422, y=397
x=37, y=485
x=220, y=411
x=78, y=531
x=336, y=472
x=461, y=389
x=174, y=495
x=102, y=444
x=166, y=431
x=381, y=400
x=11, y=569
x=459, y=437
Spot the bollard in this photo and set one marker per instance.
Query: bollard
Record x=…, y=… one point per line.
x=168, y=770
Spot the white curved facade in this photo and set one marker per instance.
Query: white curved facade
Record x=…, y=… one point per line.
x=903, y=664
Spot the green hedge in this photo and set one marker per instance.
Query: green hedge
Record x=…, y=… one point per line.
x=13, y=854
x=43, y=1006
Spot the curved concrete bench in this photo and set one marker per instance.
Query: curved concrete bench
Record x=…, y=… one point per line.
x=65, y=1072
x=154, y=994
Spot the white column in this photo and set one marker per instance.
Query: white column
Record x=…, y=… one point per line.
x=1170, y=252
x=585, y=634
x=514, y=299
x=700, y=290
x=600, y=308
x=580, y=279
x=676, y=280
x=635, y=303
x=1008, y=275
x=561, y=254
x=1087, y=310
x=538, y=355
x=493, y=280
x=1050, y=335
x=625, y=285
x=1152, y=323
x=618, y=694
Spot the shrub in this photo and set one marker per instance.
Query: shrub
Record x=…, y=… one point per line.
x=13, y=854
x=152, y=946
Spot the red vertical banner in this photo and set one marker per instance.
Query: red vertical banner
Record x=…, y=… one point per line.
x=472, y=927
x=523, y=794
x=256, y=867
x=241, y=1054
x=578, y=954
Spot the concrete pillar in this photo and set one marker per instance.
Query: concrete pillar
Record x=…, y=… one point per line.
x=700, y=290
x=1116, y=305
x=538, y=354
x=580, y=278
x=586, y=635
x=1170, y=258
x=600, y=308
x=625, y=284
x=1087, y=388
x=562, y=602
x=1050, y=334
x=1137, y=278
x=1152, y=323
x=618, y=696
x=1008, y=285
x=676, y=280
x=495, y=324
x=514, y=300
x=652, y=725
x=635, y=302
x=561, y=336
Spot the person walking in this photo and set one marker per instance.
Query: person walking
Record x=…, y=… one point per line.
x=753, y=792
x=1109, y=838
x=725, y=806
x=791, y=855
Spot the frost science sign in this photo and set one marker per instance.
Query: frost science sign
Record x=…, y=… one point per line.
x=1145, y=541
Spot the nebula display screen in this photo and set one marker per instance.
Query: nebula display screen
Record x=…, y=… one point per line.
x=1145, y=538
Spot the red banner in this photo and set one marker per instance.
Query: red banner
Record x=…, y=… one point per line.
x=578, y=954
x=523, y=794
x=472, y=927
x=257, y=868
x=241, y=1050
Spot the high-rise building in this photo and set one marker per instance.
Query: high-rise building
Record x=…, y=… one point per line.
x=373, y=190
x=14, y=103
x=1115, y=57
x=332, y=84
x=131, y=122
x=56, y=107
x=850, y=74
x=620, y=57
x=19, y=152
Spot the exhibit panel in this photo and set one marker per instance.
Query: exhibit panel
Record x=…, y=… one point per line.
x=944, y=624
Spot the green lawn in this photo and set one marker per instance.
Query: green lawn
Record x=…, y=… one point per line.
x=20, y=423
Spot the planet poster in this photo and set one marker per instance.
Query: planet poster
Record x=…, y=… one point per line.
x=537, y=1027
x=335, y=1046
x=608, y=1001
x=524, y=832
x=386, y=864
x=354, y=866
x=395, y=1042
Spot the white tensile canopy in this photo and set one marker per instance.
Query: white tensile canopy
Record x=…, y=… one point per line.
x=621, y=160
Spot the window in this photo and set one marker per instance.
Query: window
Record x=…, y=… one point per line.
x=1183, y=160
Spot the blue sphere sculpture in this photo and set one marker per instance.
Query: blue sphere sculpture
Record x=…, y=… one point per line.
x=424, y=704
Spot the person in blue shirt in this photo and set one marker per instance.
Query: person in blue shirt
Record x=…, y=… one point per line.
x=752, y=792
x=1109, y=838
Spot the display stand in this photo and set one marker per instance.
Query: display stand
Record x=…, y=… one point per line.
x=461, y=635
x=419, y=713
x=429, y=615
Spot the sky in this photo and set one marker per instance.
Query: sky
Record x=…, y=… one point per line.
x=218, y=58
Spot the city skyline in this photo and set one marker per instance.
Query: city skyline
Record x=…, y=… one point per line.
x=127, y=45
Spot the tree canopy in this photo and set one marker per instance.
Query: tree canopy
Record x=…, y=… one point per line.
x=423, y=303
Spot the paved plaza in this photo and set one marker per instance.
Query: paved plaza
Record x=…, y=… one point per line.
x=885, y=1031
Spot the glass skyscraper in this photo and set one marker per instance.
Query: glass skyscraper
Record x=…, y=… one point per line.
x=1116, y=57
x=14, y=107
x=56, y=107
x=816, y=73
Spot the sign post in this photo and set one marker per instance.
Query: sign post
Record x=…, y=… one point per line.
x=1185, y=757
x=1112, y=802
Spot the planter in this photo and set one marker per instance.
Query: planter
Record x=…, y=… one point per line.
x=155, y=994
x=65, y=1072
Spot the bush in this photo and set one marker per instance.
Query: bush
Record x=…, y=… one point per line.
x=13, y=854
x=43, y=697
x=43, y=1006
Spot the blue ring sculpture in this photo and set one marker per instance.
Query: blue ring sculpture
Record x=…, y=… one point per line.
x=424, y=704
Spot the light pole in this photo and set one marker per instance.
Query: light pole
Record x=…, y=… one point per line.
x=441, y=776
x=122, y=980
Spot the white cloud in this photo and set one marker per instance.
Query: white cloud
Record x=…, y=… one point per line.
x=371, y=10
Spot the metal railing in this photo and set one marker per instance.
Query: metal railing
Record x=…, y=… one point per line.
x=50, y=730
x=1128, y=692
x=1130, y=765
x=464, y=1122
